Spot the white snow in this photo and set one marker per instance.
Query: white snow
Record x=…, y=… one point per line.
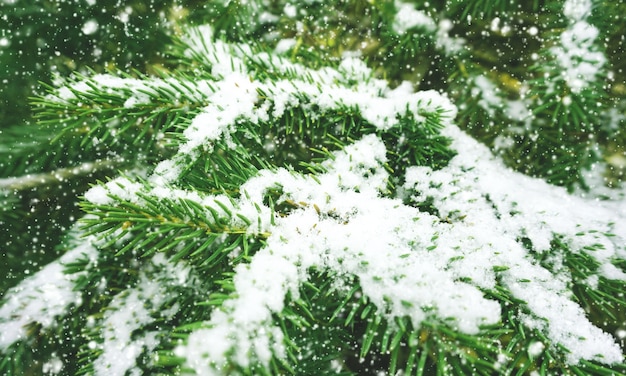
x=124, y=15
x=450, y=45
x=580, y=60
x=120, y=187
x=98, y=195
x=577, y=9
x=377, y=242
x=220, y=57
x=407, y=17
x=536, y=348
x=132, y=310
x=53, y=366
x=284, y=45
x=610, y=271
x=90, y=27
x=234, y=98
x=41, y=297
x=290, y=10
x=410, y=263
x=520, y=206
x=488, y=93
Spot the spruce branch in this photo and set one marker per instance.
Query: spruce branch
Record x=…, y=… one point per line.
x=108, y=106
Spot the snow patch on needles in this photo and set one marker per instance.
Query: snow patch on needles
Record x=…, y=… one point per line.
x=450, y=45
x=489, y=93
x=492, y=207
x=218, y=56
x=120, y=187
x=41, y=297
x=577, y=54
x=407, y=17
x=131, y=311
x=377, y=242
x=577, y=9
x=409, y=263
x=236, y=96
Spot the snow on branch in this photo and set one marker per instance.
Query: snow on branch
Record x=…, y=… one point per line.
x=409, y=263
x=580, y=59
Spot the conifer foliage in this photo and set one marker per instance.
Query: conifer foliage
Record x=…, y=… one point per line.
x=300, y=191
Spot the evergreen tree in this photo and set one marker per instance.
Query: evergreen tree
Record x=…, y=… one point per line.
x=329, y=187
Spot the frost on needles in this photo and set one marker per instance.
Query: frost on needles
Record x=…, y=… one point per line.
x=289, y=201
